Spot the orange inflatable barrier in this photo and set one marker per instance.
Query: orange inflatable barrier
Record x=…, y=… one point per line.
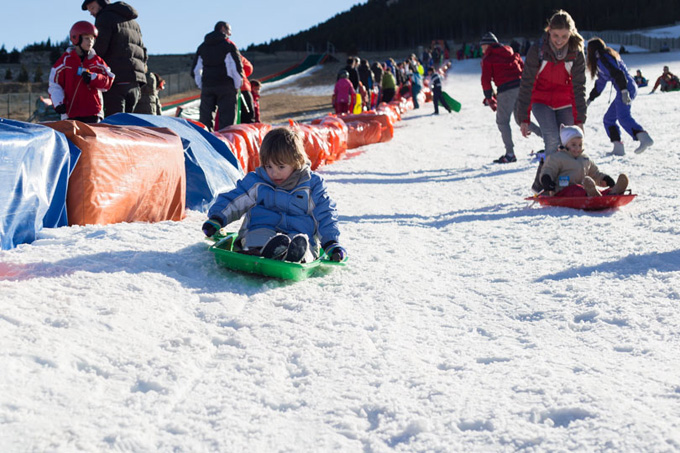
x=325, y=139
x=362, y=133
x=385, y=119
x=252, y=134
x=239, y=145
x=124, y=174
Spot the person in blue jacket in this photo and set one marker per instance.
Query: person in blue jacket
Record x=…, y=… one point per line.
x=606, y=63
x=287, y=210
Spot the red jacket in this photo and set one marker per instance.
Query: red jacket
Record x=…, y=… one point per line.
x=247, y=71
x=555, y=83
x=68, y=88
x=501, y=65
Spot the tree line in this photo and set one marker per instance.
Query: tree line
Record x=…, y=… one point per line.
x=381, y=25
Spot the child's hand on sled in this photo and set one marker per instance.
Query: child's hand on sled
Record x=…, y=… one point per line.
x=211, y=226
x=335, y=251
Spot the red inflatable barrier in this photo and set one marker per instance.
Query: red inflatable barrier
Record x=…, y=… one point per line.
x=325, y=140
x=385, y=119
x=240, y=147
x=124, y=174
x=362, y=133
x=252, y=134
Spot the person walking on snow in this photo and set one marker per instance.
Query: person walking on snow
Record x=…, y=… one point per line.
x=606, y=63
x=79, y=77
x=553, y=86
x=436, y=87
x=502, y=66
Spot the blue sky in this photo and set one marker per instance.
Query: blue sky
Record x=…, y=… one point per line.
x=172, y=26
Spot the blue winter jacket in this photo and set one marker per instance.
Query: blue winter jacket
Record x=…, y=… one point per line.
x=614, y=70
x=305, y=209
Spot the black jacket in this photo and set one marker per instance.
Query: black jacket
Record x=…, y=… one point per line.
x=120, y=42
x=213, y=52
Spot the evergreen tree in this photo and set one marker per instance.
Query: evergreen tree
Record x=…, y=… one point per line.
x=23, y=75
x=8, y=74
x=4, y=56
x=15, y=56
x=38, y=74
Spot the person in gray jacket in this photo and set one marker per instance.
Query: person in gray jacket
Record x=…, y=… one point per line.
x=218, y=72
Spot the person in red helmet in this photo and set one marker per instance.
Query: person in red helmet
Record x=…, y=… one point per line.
x=79, y=77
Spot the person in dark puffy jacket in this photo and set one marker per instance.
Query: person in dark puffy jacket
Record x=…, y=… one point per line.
x=606, y=63
x=218, y=72
x=120, y=44
x=502, y=67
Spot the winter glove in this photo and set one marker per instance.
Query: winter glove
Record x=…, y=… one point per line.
x=608, y=180
x=87, y=77
x=60, y=109
x=491, y=102
x=335, y=251
x=547, y=183
x=211, y=226
x=625, y=97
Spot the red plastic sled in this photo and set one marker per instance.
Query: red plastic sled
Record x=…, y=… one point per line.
x=585, y=203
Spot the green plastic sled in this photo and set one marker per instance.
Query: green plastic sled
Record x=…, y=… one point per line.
x=448, y=100
x=225, y=256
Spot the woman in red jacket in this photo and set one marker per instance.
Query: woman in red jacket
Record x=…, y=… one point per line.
x=553, y=85
x=79, y=77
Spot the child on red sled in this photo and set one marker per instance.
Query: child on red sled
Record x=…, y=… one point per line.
x=570, y=173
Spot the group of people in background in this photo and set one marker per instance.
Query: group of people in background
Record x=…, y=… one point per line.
x=362, y=85
x=550, y=86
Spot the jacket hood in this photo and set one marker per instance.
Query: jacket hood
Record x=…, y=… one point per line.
x=501, y=50
x=215, y=37
x=122, y=9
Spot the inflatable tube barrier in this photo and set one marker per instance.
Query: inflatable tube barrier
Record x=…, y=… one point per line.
x=251, y=135
x=35, y=164
x=125, y=174
x=211, y=167
x=385, y=119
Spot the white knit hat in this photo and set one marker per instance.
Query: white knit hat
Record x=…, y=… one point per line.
x=569, y=132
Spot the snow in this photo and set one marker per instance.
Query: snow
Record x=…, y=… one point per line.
x=467, y=319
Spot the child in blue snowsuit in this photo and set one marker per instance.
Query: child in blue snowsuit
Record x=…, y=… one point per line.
x=607, y=64
x=287, y=210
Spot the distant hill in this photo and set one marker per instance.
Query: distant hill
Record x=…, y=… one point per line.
x=391, y=24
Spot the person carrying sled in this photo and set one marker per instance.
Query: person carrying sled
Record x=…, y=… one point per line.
x=667, y=81
x=344, y=96
x=606, y=63
x=436, y=87
x=79, y=77
x=570, y=173
x=553, y=86
x=502, y=66
x=287, y=209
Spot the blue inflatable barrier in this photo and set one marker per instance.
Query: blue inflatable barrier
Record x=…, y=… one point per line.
x=35, y=164
x=211, y=166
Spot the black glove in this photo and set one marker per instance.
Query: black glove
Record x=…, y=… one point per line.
x=547, y=183
x=87, y=77
x=608, y=180
x=60, y=109
x=335, y=251
x=211, y=226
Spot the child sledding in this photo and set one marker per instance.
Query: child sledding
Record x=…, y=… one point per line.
x=571, y=179
x=288, y=214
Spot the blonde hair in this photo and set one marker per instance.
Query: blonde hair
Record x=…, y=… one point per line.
x=283, y=146
x=562, y=20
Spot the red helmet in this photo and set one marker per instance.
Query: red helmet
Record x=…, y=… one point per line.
x=82, y=27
